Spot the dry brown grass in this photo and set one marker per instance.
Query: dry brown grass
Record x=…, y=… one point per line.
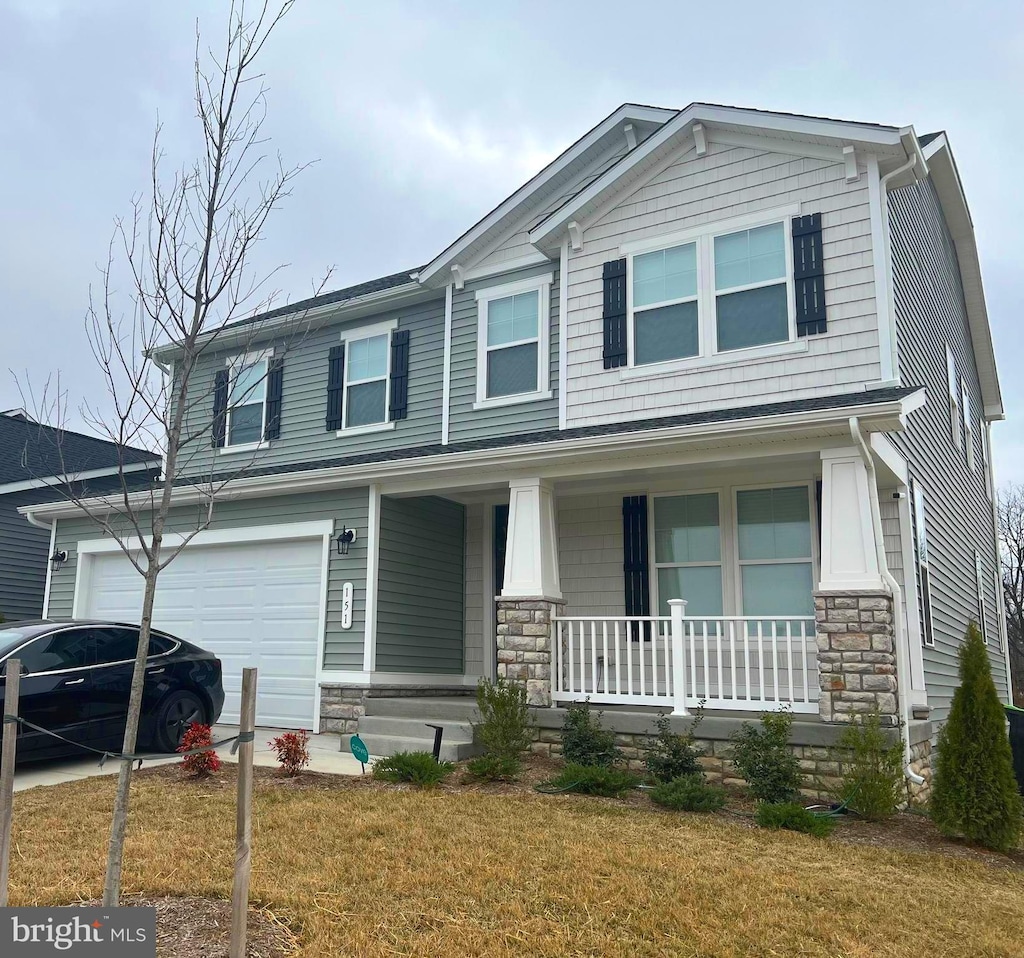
x=368, y=871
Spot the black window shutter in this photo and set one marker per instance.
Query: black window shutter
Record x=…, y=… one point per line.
x=615, y=314
x=635, y=557
x=220, y=407
x=399, y=407
x=809, y=275
x=275, y=385
x=335, y=386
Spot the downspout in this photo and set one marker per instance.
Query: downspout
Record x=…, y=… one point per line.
x=902, y=653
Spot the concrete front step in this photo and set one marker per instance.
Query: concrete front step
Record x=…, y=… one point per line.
x=436, y=710
x=381, y=745
x=454, y=731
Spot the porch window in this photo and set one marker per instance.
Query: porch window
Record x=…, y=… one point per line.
x=751, y=294
x=688, y=552
x=665, y=304
x=366, y=381
x=923, y=566
x=775, y=551
x=246, y=400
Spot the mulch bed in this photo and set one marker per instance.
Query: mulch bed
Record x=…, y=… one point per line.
x=910, y=831
x=201, y=928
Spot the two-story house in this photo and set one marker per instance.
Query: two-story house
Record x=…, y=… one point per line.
x=700, y=413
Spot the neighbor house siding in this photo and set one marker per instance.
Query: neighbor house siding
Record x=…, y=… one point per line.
x=420, y=585
x=304, y=436
x=343, y=648
x=696, y=191
x=930, y=314
x=469, y=423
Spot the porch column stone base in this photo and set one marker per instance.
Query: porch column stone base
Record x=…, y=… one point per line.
x=856, y=656
x=524, y=644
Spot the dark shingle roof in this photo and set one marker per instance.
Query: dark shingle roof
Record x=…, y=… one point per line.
x=29, y=450
x=848, y=400
x=926, y=138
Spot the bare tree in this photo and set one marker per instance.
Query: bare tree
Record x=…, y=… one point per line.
x=185, y=255
x=1011, y=546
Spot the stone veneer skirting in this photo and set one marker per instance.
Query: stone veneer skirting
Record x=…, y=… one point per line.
x=343, y=705
x=524, y=645
x=813, y=742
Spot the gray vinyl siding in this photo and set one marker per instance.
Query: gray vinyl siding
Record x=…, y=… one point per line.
x=590, y=553
x=468, y=423
x=930, y=313
x=304, y=436
x=420, y=585
x=343, y=648
x=475, y=603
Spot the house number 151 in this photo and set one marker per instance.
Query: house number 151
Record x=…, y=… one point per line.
x=346, y=606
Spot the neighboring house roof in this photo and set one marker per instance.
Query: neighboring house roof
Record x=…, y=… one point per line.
x=30, y=452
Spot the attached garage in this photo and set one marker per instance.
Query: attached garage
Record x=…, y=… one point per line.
x=257, y=602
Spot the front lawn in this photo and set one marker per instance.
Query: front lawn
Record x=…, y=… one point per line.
x=358, y=868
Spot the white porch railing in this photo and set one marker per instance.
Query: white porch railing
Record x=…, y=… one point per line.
x=726, y=662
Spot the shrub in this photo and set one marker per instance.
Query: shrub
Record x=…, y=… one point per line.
x=674, y=753
x=796, y=818
x=594, y=780
x=584, y=741
x=416, y=767
x=292, y=751
x=494, y=768
x=201, y=764
x=504, y=730
x=689, y=793
x=763, y=757
x=872, y=778
x=974, y=793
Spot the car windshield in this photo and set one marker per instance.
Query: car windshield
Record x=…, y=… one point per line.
x=12, y=637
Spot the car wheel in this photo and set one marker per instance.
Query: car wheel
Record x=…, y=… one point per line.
x=175, y=714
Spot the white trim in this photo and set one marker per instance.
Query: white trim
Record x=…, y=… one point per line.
x=953, y=390
x=911, y=600
x=850, y=159
x=506, y=266
x=227, y=450
x=979, y=579
x=968, y=418
x=52, y=482
x=446, y=380
x=563, y=334
x=365, y=332
x=849, y=558
x=881, y=256
x=484, y=297
x=325, y=565
x=49, y=569
x=211, y=537
x=356, y=335
x=882, y=446
x=369, y=427
x=234, y=364
x=776, y=144
x=372, y=569
x=922, y=567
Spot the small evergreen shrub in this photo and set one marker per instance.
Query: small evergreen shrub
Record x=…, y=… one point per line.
x=595, y=780
x=416, y=767
x=494, y=768
x=674, y=753
x=292, y=751
x=872, y=777
x=584, y=740
x=974, y=793
x=505, y=730
x=688, y=793
x=794, y=817
x=201, y=764
x=765, y=760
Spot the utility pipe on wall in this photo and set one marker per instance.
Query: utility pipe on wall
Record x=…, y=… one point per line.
x=902, y=652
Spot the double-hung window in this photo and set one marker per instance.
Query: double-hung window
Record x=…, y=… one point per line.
x=688, y=552
x=954, y=397
x=665, y=305
x=774, y=549
x=923, y=568
x=366, y=380
x=979, y=579
x=512, y=337
x=968, y=424
x=247, y=395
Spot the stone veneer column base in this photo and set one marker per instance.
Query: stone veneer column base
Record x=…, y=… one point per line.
x=856, y=656
x=524, y=645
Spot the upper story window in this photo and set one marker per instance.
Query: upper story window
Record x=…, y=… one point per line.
x=923, y=567
x=954, y=397
x=979, y=579
x=366, y=380
x=247, y=394
x=968, y=425
x=512, y=342
x=711, y=291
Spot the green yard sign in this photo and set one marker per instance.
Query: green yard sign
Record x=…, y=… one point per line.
x=359, y=750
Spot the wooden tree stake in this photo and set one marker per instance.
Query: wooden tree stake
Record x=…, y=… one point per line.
x=243, y=817
x=12, y=686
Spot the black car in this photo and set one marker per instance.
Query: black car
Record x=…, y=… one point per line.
x=76, y=677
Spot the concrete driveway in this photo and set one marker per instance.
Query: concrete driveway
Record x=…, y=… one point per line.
x=324, y=756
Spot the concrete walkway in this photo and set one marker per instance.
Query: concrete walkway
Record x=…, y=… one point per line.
x=324, y=756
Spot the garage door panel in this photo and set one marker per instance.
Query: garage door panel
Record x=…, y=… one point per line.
x=253, y=605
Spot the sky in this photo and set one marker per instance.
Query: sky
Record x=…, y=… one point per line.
x=422, y=117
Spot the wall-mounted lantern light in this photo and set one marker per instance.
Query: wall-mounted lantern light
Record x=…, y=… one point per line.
x=345, y=538
x=58, y=559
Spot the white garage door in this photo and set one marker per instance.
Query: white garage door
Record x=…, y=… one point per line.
x=254, y=604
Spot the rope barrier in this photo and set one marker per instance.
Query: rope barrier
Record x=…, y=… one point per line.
x=241, y=738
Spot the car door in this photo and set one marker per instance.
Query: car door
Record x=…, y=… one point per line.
x=55, y=691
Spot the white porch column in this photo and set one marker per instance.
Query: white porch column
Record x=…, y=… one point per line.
x=848, y=557
x=531, y=552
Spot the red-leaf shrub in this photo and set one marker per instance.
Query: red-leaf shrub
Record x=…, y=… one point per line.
x=292, y=751
x=201, y=764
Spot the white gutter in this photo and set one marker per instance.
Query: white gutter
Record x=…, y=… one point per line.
x=902, y=652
